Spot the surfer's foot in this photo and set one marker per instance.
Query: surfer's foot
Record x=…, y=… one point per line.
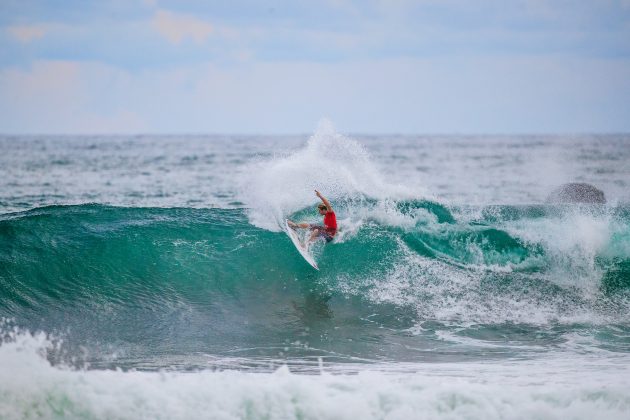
x=291, y=224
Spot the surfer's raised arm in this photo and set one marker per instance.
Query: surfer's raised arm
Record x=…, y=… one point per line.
x=324, y=200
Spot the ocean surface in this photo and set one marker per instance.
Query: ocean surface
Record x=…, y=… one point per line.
x=149, y=277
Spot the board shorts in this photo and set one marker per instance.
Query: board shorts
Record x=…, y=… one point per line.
x=323, y=233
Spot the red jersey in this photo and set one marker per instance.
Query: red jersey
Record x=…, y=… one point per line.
x=330, y=221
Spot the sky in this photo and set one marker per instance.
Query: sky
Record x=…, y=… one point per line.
x=279, y=66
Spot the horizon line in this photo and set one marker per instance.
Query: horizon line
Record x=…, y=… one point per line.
x=349, y=133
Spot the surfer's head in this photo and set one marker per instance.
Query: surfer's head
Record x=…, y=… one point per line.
x=322, y=208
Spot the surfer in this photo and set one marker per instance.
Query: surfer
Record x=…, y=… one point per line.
x=328, y=229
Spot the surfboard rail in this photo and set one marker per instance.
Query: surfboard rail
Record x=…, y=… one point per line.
x=299, y=246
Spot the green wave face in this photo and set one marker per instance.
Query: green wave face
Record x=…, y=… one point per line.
x=138, y=284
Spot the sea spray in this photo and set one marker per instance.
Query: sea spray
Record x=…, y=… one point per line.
x=336, y=165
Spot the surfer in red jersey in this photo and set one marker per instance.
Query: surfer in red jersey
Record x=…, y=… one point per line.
x=328, y=229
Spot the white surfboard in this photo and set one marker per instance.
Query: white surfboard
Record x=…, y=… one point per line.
x=301, y=248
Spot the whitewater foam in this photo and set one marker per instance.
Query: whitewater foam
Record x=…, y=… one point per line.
x=573, y=239
x=549, y=388
x=462, y=294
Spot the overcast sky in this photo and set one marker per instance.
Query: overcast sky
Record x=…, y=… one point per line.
x=278, y=66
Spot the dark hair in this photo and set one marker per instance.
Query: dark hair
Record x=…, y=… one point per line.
x=322, y=207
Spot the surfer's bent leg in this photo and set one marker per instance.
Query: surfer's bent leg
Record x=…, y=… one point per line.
x=298, y=225
x=318, y=231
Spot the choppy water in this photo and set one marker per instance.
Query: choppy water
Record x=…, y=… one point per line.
x=149, y=277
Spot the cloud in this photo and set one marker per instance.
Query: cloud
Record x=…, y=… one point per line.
x=439, y=95
x=177, y=27
x=67, y=97
x=27, y=33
